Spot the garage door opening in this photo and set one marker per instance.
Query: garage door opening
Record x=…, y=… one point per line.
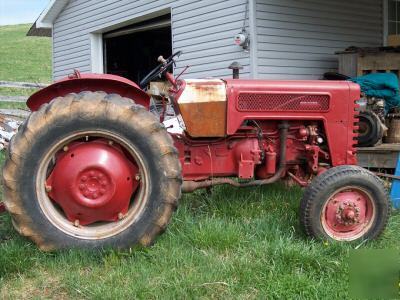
x=132, y=51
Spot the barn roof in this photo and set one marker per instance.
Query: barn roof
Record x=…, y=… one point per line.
x=44, y=24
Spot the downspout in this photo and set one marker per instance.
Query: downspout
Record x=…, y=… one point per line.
x=253, y=39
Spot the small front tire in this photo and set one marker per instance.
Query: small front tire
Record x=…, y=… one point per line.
x=346, y=203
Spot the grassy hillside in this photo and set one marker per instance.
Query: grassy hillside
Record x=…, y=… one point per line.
x=24, y=58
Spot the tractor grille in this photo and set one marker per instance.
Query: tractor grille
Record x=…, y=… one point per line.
x=282, y=102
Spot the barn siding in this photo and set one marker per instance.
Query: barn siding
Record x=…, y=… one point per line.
x=203, y=30
x=297, y=39
x=293, y=39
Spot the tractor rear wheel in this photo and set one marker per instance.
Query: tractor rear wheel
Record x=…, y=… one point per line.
x=91, y=170
x=346, y=203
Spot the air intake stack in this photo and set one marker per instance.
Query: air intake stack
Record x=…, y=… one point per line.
x=235, y=67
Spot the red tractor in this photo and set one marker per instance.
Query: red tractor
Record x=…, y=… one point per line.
x=92, y=167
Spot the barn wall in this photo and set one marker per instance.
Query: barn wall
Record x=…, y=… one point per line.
x=203, y=30
x=298, y=39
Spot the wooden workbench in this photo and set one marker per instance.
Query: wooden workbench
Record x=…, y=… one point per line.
x=384, y=156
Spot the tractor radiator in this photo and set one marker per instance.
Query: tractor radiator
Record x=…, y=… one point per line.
x=282, y=102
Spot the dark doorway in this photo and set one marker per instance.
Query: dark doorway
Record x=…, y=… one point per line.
x=132, y=51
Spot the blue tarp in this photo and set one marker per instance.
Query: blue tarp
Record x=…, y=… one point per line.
x=381, y=85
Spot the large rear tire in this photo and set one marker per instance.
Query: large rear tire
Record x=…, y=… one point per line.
x=346, y=203
x=68, y=123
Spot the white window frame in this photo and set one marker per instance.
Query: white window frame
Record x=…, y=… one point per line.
x=386, y=21
x=97, y=56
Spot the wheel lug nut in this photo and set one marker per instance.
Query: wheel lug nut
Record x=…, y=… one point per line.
x=48, y=188
x=110, y=143
x=84, y=179
x=65, y=148
x=120, y=216
x=137, y=177
x=76, y=223
x=82, y=187
x=95, y=196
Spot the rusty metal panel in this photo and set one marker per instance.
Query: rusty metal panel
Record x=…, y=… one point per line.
x=203, y=107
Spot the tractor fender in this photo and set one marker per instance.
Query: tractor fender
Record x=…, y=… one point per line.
x=76, y=83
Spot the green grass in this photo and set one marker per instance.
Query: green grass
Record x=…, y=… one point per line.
x=24, y=58
x=241, y=244
x=13, y=105
x=16, y=91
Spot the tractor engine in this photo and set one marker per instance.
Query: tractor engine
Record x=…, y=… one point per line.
x=255, y=152
x=263, y=131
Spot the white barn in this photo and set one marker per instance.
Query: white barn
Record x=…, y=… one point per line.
x=292, y=39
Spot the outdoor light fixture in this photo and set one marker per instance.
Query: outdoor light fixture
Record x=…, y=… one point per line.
x=242, y=39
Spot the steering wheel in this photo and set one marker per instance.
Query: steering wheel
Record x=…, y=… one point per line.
x=160, y=69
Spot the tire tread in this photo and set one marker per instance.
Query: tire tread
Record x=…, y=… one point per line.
x=90, y=105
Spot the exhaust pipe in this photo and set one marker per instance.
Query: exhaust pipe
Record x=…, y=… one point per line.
x=235, y=67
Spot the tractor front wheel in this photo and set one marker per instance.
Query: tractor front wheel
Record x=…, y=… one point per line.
x=91, y=170
x=346, y=203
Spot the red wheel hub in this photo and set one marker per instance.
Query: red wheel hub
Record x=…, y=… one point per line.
x=348, y=214
x=93, y=182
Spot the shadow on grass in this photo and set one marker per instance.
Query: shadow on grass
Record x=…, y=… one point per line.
x=215, y=221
